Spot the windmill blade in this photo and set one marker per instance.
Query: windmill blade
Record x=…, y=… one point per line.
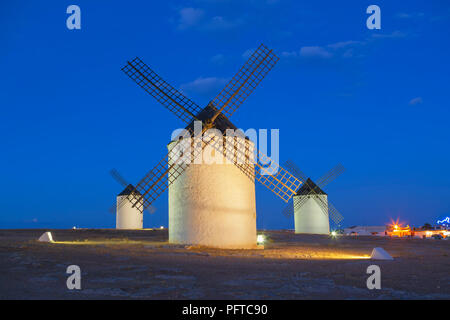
x=275, y=178
x=112, y=209
x=288, y=210
x=295, y=170
x=330, y=175
x=183, y=107
x=245, y=81
x=335, y=216
x=116, y=175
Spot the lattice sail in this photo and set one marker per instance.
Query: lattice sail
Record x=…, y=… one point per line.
x=330, y=175
x=275, y=178
x=245, y=80
x=268, y=172
x=118, y=177
x=288, y=210
x=335, y=215
x=295, y=170
x=183, y=107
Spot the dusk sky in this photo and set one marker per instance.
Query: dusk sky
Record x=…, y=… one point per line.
x=376, y=101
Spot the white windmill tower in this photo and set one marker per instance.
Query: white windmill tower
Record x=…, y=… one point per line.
x=309, y=217
x=311, y=208
x=127, y=216
x=211, y=204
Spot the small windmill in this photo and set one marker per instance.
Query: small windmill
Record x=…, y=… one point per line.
x=311, y=208
x=211, y=205
x=127, y=216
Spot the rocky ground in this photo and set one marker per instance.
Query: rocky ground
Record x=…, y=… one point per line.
x=143, y=265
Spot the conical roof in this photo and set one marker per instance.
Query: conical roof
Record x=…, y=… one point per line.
x=221, y=123
x=129, y=190
x=307, y=187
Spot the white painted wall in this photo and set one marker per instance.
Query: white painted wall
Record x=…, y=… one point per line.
x=128, y=217
x=366, y=230
x=212, y=205
x=310, y=218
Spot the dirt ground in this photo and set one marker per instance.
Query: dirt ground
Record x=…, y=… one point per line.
x=143, y=265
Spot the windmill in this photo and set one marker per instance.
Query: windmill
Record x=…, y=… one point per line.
x=311, y=208
x=211, y=205
x=127, y=216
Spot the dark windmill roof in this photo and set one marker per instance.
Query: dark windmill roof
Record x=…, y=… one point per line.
x=129, y=190
x=307, y=186
x=221, y=123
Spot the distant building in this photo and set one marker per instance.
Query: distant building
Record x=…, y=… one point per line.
x=366, y=231
x=430, y=233
x=398, y=231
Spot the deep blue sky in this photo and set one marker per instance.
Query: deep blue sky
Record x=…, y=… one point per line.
x=375, y=100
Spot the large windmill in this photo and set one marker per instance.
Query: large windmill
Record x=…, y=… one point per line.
x=313, y=212
x=214, y=204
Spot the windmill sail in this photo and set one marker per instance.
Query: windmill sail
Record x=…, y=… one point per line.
x=245, y=80
x=331, y=175
x=183, y=107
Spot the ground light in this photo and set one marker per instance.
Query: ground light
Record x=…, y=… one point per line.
x=333, y=234
x=260, y=238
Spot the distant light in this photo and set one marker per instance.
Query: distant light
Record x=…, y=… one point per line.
x=333, y=233
x=260, y=239
x=74, y=228
x=162, y=227
x=428, y=233
x=444, y=221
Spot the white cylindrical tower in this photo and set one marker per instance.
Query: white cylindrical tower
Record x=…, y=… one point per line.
x=310, y=217
x=128, y=217
x=212, y=203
